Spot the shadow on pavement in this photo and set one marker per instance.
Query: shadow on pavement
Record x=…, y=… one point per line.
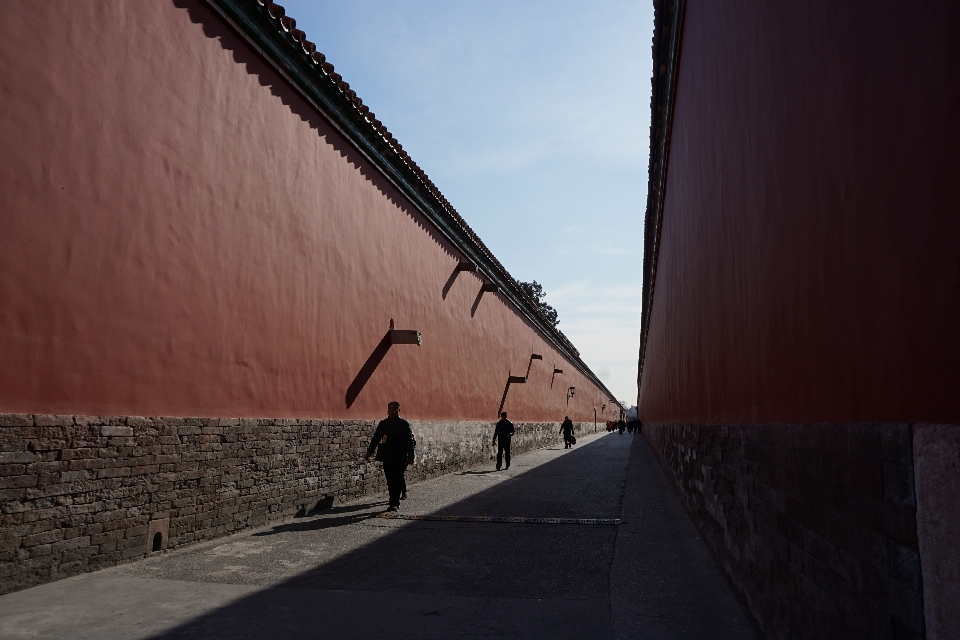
x=664, y=582
x=327, y=521
x=649, y=577
x=443, y=571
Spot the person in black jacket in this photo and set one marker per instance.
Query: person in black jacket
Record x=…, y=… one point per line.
x=504, y=430
x=403, y=486
x=566, y=428
x=393, y=441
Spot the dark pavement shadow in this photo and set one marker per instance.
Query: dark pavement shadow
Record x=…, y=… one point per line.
x=449, y=561
x=664, y=581
x=650, y=577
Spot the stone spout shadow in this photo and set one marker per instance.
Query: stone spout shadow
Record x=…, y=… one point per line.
x=367, y=369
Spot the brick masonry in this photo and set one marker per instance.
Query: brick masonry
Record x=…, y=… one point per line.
x=81, y=493
x=815, y=525
x=936, y=455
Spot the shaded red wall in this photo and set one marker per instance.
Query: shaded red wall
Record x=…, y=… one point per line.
x=181, y=234
x=809, y=267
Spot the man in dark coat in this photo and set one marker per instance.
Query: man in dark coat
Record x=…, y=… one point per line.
x=403, y=487
x=566, y=428
x=393, y=441
x=504, y=431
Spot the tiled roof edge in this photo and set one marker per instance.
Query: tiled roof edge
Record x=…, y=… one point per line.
x=667, y=37
x=267, y=28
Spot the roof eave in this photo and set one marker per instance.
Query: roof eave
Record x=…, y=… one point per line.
x=252, y=19
x=667, y=38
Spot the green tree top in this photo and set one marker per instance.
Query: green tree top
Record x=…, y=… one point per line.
x=535, y=292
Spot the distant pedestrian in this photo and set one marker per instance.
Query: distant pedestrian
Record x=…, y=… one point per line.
x=621, y=425
x=504, y=431
x=393, y=441
x=566, y=428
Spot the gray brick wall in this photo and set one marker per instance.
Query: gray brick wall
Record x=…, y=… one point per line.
x=814, y=524
x=79, y=493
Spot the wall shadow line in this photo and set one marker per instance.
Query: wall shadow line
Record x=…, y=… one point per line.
x=503, y=399
x=360, y=381
x=476, y=303
x=450, y=281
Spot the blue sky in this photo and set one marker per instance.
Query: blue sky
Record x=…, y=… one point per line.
x=533, y=120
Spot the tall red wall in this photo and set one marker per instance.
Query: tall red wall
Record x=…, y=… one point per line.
x=181, y=234
x=809, y=268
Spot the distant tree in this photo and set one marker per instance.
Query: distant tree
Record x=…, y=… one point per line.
x=534, y=291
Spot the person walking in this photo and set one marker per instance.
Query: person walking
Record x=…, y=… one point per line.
x=403, y=486
x=566, y=428
x=504, y=430
x=393, y=442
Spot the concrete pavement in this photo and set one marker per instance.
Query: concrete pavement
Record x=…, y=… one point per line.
x=346, y=574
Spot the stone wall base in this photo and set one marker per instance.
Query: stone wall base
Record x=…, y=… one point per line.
x=80, y=493
x=816, y=525
x=936, y=455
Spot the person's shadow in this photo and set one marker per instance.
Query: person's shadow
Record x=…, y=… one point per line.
x=328, y=519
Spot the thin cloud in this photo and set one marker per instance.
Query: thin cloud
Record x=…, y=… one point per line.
x=572, y=230
x=604, y=322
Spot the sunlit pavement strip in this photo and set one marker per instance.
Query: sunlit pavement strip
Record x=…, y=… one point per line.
x=507, y=519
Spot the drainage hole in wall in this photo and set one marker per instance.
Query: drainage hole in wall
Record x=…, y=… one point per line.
x=157, y=541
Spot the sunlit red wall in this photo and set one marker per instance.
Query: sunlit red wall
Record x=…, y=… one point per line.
x=181, y=234
x=809, y=267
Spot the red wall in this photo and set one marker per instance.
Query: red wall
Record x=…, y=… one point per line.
x=180, y=234
x=809, y=267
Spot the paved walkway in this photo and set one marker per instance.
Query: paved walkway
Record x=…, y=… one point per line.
x=348, y=574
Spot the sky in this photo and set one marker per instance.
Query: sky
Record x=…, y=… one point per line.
x=533, y=119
